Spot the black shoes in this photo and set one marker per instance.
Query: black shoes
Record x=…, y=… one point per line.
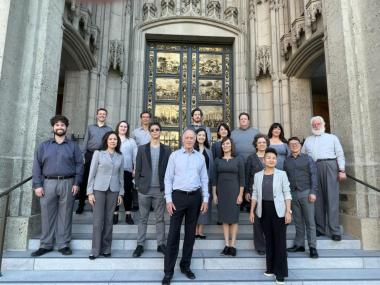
x=188, y=273
x=232, y=251
x=280, y=280
x=161, y=248
x=318, y=233
x=166, y=280
x=201, y=236
x=41, y=251
x=260, y=252
x=91, y=257
x=138, y=251
x=225, y=251
x=313, y=252
x=296, y=248
x=65, y=251
x=106, y=254
x=268, y=273
x=336, y=237
x=115, y=219
x=129, y=220
x=79, y=209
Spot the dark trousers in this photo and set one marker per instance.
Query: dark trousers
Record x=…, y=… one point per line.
x=128, y=188
x=187, y=206
x=275, y=237
x=82, y=194
x=258, y=234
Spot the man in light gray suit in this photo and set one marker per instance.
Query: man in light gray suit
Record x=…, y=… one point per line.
x=151, y=161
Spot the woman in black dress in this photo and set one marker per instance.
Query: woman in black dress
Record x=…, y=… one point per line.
x=228, y=187
x=222, y=131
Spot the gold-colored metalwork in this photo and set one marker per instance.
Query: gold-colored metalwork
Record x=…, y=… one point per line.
x=184, y=87
x=150, y=82
x=170, y=138
x=211, y=90
x=194, y=66
x=210, y=64
x=227, y=88
x=211, y=49
x=167, y=89
x=168, y=63
x=167, y=115
x=212, y=115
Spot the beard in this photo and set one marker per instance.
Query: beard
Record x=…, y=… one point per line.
x=318, y=132
x=60, y=133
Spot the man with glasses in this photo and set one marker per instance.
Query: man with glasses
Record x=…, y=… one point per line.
x=151, y=161
x=302, y=174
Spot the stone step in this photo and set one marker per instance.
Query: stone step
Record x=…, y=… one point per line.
x=202, y=260
x=359, y=276
x=127, y=241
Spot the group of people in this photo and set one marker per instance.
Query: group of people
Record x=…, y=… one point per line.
x=279, y=179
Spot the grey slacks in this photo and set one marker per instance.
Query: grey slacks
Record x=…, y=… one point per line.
x=303, y=214
x=56, y=213
x=105, y=203
x=327, y=204
x=158, y=203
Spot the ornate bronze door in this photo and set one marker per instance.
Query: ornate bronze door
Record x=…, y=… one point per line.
x=182, y=77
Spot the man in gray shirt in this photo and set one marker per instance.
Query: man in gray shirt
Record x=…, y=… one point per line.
x=57, y=174
x=92, y=141
x=302, y=174
x=142, y=135
x=151, y=161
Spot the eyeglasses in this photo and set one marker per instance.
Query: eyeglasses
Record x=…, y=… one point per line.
x=294, y=144
x=154, y=130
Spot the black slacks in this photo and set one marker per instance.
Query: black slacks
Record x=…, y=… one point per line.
x=82, y=194
x=188, y=206
x=128, y=188
x=275, y=237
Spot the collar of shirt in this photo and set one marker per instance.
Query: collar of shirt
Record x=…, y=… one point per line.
x=184, y=150
x=64, y=141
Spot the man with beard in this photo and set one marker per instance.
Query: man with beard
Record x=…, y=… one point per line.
x=92, y=141
x=57, y=174
x=328, y=153
x=196, y=117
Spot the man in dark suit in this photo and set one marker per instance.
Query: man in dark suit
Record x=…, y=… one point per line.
x=151, y=161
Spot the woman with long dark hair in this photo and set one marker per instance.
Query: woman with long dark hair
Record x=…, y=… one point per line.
x=222, y=131
x=271, y=195
x=128, y=148
x=202, y=145
x=278, y=141
x=228, y=187
x=105, y=189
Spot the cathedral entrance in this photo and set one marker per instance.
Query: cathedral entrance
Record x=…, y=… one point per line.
x=181, y=77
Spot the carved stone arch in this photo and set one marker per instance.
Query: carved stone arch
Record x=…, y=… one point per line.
x=304, y=56
x=76, y=54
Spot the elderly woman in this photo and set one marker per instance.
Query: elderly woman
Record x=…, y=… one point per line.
x=105, y=189
x=271, y=194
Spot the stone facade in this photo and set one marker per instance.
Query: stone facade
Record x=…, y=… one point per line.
x=280, y=49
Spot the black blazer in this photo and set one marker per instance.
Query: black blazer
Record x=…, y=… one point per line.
x=252, y=166
x=143, y=172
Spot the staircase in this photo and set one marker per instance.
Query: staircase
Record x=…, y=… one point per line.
x=339, y=262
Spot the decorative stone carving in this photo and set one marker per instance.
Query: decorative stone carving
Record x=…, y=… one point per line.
x=276, y=4
x=213, y=9
x=128, y=7
x=298, y=26
x=286, y=42
x=312, y=8
x=231, y=15
x=94, y=35
x=263, y=60
x=261, y=1
x=115, y=58
x=191, y=7
x=149, y=11
x=167, y=8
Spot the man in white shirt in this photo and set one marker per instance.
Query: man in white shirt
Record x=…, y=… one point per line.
x=328, y=153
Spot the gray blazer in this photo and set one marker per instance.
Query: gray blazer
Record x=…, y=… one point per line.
x=106, y=174
x=143, y=171
x=281, y=191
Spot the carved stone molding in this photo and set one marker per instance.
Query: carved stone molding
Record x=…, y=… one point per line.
x=115, y=58
x=286, y=42
x=261, y=1
x=312, y=8
x=167, y=8
x=149, y=11
x=128, y=7
x=276, y=4
x=213, y=9
x=191, y=7
x=231, y=15
x=263, y=60
x=252, y=11
x=298, y=26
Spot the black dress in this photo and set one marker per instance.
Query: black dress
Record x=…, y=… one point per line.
x=229, y=177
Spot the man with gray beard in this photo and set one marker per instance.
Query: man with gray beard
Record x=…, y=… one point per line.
x=327, y=152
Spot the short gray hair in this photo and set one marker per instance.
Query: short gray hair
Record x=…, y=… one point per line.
x=317, y=118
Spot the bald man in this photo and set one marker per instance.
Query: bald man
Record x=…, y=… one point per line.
x=186, y=194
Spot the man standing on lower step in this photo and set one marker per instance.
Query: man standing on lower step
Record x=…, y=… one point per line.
x=151, y=161
x=57, y=174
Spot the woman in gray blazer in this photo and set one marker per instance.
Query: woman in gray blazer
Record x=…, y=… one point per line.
x=105, y=189
x=271, y=193
x=202, y=145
